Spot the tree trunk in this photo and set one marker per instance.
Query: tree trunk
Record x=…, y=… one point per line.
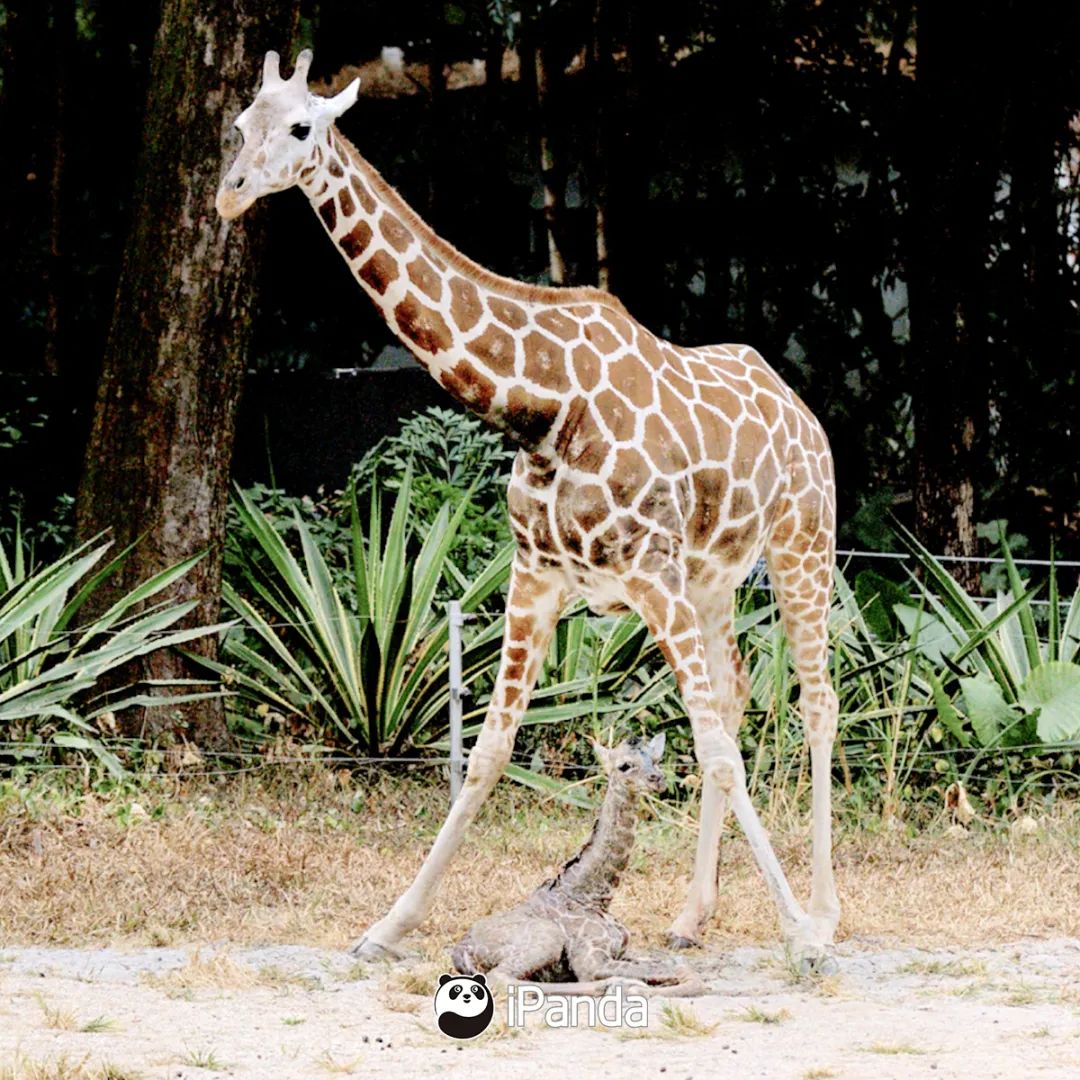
x=551, y=170
x=601, y=89
x=953, y=157
x=157, y=463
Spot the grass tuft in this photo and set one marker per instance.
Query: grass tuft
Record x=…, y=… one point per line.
x=893, y=1049
x=754, y=1014
x=682, y=1022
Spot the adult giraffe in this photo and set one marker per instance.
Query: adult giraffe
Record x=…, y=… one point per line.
x=650, y=477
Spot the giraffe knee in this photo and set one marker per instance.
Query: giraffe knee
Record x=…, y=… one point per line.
x=718, y=755
x=820, y=710
x=488, y=757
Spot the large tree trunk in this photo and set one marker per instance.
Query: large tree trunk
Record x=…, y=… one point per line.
x=552, y=172
x=157, y=462
x=953, y=159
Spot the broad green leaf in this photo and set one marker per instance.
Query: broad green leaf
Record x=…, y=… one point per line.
x=1054, y=689
x=548, y=785
x=987, y=709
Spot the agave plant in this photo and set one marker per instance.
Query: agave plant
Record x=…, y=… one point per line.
x=50, y=663
x=1014, y=683
x=370, y=659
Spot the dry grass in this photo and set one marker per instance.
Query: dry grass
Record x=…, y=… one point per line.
x=754, y=1014
x=683, y=1023
x=64, y=1068
x=219, y=971
x=316, y=858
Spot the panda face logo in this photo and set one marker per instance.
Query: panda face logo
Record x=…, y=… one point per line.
x=463, y=1005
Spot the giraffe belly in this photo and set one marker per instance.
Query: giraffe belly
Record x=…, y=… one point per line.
x=604, y=596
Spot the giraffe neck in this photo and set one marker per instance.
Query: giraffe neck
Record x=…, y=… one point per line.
x=592, y=875
x=468, y=327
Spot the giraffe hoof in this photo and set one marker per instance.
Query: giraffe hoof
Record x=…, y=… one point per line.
x=679, y=941
x=368, y=949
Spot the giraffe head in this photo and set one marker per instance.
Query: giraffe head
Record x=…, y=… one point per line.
x=634, y=763
x=280, y=129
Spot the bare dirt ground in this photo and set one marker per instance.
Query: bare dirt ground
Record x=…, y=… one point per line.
x=198, y=933
x=287, y=1012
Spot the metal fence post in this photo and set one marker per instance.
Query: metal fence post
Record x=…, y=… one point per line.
x=455, y=621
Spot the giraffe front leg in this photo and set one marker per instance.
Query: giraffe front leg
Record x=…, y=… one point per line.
x=731, y=688
x=533, y=606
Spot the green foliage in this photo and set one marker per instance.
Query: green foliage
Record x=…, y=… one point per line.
x=369, y=660
x=934, y=686
x=454, y=459
x=50, y=663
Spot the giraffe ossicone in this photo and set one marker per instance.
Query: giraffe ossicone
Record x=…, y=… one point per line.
x=651, y=477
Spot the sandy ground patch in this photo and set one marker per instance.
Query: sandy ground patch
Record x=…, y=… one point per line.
x=291, y=1011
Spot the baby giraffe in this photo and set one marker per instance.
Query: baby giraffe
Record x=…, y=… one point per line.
x=563, y=935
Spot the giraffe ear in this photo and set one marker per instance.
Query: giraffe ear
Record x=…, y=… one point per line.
x=605, y=756
x=655, y=748
x=333, y=107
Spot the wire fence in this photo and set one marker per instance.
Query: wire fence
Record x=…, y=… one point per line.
x=757, y=579
x=254, y=761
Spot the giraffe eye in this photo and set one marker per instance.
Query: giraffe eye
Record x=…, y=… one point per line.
x=300, y=131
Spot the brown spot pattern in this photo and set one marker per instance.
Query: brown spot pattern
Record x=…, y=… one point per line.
x=601, y=337
x=622, y=327
x=586, y=367
x=507, y=313
x=345, y=201
x=666, y=451
x=422, y=325
x=356, y=240
x=379, y=271
x=530, y=417
x=556, y=322
x=633, y=380
x=749, y=443
x=580, y=442
x=494, y=348
x=650, y=351
x=629, y=476
x=328, y=212
x=710, y=486
x=678, y=415
x=616, y=415
x=465, y=306
x=335, y=166
x=469, y=387
x=396, y=234
x=545, y=362
x=422, y=274
x=367, y=200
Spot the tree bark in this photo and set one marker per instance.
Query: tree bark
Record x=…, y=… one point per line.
x=552, y=173
x=157, y=463
x=600, y=83
x=953, y=159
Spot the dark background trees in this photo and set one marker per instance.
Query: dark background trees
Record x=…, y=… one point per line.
x=787, y=174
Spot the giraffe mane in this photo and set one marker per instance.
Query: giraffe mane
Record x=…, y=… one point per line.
x=515, y=290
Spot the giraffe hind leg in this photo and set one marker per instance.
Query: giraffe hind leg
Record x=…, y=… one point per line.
x=801, y=565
